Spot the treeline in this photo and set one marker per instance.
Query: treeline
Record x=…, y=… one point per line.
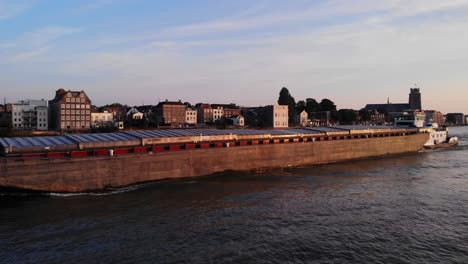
x=315, y=108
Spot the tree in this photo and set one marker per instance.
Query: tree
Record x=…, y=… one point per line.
x=300, y=106
x=346, y=116
x=327, y=105
x=364, y=115
x=285, y=98
x=312, y=105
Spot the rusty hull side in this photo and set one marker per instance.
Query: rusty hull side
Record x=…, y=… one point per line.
x=97, y=173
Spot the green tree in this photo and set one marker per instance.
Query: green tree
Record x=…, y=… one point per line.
x=327, y=105
x=364, y=115
x=300, y=106
x=346, y=116
x=285, y=98
x=312, y=105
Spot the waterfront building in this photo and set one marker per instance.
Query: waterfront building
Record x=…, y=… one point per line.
x=134, y=114
x=276, y=116
x=228, y=109
x=237, y=120
x=409, y=118
x=5, y=119
x=414, y=103
x=434, y=116
x=171, y=113
x=70, y=111
x=455, y=119
x=117, y=110
x=191, y=115
x=30, y=115
x=210, y=113
x=270, y=116
x=303, y=119
x=102, y=119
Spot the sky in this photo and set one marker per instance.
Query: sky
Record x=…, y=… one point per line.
x=145, y=51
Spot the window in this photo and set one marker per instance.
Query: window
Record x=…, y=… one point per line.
x=82, y=100
x=72, y=117
x=87, y=112
x=72, y=112
x=67, y=100
x=68, y=105
x=88, y=106
x=62, y=112
x=68, y=117
x=81, y=94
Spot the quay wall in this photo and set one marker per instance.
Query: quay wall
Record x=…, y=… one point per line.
x=98, y=173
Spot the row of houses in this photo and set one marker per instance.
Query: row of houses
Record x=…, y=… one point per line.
x=73, y=111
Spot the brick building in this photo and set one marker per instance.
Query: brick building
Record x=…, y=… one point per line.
x=70, y=111
x=171, y=113
x=209, y=113
x=433, y=116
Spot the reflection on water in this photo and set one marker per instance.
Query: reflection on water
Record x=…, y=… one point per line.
x=402, y=209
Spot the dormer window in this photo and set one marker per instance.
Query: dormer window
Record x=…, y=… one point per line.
x=68, y=94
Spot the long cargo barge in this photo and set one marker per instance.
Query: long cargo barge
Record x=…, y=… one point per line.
x=82, y=162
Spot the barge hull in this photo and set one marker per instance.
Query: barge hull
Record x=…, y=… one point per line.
x=99, y=173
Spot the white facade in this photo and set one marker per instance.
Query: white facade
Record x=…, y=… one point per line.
x=99, y=119
x=30, y=115
x=134, y=114
x=280, y=116
x=217, y=113
x=303, y=118
x=191, y=116
x=238, y=120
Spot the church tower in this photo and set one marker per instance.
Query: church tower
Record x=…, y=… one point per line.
x=415, y=99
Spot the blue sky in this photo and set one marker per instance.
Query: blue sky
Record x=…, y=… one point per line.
x=138, y=51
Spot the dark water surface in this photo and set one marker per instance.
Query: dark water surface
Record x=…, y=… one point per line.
x=404, y=209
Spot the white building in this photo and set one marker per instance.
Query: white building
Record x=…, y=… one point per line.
x=102, y=119
x=303, y=118
x=134, y=114
x=218, y=112
x=30, y=115
x=237, y=120
x=191, y=116
x=280, y=116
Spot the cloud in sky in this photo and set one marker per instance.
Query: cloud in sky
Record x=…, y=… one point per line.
x=353, y=53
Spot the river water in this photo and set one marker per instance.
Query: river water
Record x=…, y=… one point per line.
x=403, y=209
